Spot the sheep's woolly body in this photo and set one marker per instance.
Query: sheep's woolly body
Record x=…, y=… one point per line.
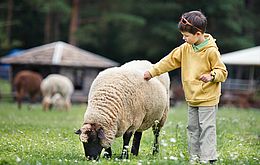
x=56, y=84
x=120, y=100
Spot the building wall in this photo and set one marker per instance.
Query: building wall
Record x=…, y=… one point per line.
x=81, y=77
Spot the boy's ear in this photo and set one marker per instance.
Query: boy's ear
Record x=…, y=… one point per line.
x=198, y=33
x=78, y=132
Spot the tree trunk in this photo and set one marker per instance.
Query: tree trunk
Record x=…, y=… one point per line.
x=47, y=28
x=56, y=27
x=9, y=22
x=74, y=22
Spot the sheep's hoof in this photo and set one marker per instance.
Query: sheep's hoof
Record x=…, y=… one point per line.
x=107, y=155
x=155, y=149
x=123, y=157
x=124, y=154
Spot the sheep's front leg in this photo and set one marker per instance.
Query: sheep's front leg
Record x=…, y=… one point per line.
x=156, y=132
x=126, y=138
x=136, y=143
x=108, y=153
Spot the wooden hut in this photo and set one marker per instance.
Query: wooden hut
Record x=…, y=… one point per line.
x=61, y=58
x=243, y=83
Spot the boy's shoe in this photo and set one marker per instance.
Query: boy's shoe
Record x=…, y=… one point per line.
x=194, y=159
x=212, y=161
x=207, y=161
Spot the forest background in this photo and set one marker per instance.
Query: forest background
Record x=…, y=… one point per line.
x=124, y=30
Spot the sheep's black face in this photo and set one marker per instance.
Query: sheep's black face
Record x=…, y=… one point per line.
x=92, y=150
x=90, y=137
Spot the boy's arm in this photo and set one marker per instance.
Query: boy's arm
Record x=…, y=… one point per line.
x=219, y=71
x=168, y=63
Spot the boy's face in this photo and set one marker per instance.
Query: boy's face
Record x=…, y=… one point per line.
x=192, y=38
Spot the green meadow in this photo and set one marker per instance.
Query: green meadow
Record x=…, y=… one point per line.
x=38, y=137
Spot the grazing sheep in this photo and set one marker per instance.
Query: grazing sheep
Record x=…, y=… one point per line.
x=122, y=103
x=58, y=101
x=27, y=83
x=56, y=89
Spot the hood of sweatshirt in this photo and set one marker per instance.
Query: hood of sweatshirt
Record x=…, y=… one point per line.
x=211, y=42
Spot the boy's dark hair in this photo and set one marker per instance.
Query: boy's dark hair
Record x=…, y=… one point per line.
x=193, y=22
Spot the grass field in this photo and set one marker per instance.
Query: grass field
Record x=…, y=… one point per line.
x=37, y=137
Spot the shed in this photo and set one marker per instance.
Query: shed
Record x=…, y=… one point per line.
x=244, y=68
x=61, y=58
x=244, y=75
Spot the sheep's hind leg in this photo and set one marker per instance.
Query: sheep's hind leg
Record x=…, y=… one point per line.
x=108, y=153
x=126, y=138
x=136, y=143
x=156, y=132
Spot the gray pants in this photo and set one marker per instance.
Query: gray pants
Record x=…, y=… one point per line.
x=202, y=140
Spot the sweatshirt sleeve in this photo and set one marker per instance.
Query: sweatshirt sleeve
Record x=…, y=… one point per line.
x=219, y=69
x=170, y=62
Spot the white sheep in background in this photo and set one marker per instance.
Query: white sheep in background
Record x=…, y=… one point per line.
x=56, y=90
x=122, y=103
x=58, y=101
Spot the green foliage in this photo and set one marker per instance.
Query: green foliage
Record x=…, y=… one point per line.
x=129, y=29
x=5, y=86
x=37, y=137
x=5, y=90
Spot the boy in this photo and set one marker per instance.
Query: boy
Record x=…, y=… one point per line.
x=202, y=72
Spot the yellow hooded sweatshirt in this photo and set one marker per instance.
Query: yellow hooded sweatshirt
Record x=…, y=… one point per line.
x=193, y=64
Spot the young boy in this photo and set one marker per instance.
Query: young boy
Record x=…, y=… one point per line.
x=202, y=72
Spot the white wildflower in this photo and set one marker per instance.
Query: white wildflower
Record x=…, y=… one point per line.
x=38, y=163
x=173, y=158
x=173, y=140
x=18, y=159
x=181, y=155
x=21, y=132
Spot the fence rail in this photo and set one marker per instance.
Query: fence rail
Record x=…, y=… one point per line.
x=240, y=85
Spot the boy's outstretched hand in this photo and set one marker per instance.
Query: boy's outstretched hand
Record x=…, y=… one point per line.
x=147, y=75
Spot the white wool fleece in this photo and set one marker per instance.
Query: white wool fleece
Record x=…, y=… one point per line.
x=121, y=100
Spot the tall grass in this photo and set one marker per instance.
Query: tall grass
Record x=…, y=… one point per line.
x=37, y=137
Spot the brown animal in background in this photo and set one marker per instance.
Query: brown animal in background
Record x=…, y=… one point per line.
x=27, y=83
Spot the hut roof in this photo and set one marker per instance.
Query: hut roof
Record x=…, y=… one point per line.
x=62, y=54
x=250, y=56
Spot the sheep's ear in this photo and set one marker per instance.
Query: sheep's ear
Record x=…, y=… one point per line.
x=100, y=131
x=101, y=134
x=78, y=132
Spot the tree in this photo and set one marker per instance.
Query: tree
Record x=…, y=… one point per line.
x=54, y=13
x=9, y=21
x=125, y=30
x=130, y=29
x=74, y=22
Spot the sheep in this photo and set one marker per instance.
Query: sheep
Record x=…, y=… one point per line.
x=27, y=82
x=58, y=101
x=56, y=89
x=122, y=103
